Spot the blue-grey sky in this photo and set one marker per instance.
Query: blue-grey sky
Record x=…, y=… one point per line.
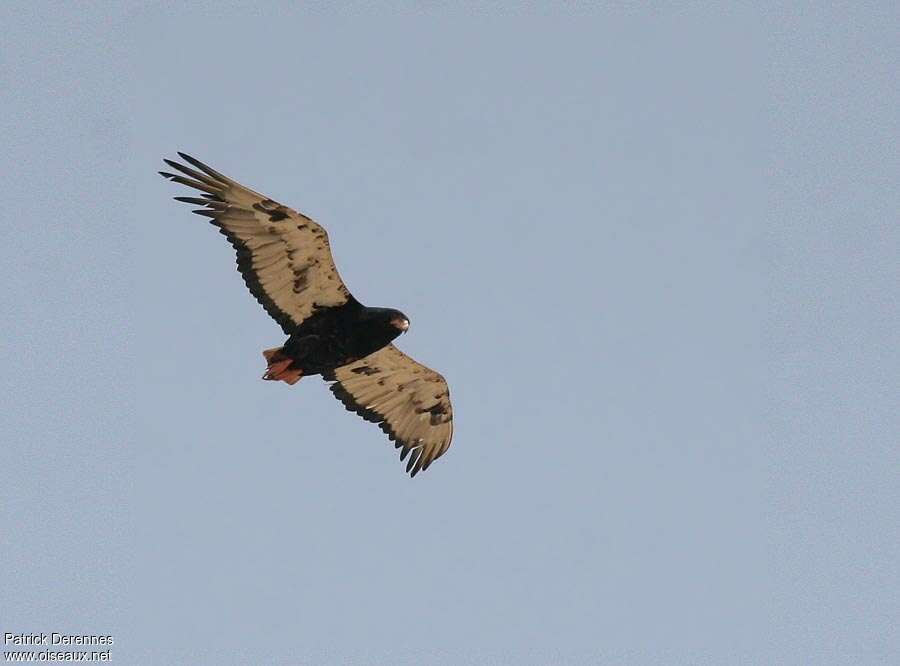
x=653, y=250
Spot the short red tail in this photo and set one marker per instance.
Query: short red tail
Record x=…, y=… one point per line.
x=279, y=367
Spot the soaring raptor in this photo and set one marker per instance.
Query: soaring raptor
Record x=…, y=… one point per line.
x=285, y=259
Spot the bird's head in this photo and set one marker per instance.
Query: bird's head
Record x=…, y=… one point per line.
x=391, y=322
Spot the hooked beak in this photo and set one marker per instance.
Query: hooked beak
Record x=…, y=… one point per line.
x=400, y=323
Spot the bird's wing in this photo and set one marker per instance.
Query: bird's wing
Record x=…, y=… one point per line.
x=410, y=402
x=283, y=256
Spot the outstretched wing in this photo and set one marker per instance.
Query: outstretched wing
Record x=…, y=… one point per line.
x=283, y=256
x=410, y=402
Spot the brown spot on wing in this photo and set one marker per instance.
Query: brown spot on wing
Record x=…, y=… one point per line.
x=287, y=267
x=409, y=402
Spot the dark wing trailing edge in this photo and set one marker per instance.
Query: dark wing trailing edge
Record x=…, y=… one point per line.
x=283, y=256
x=409, y=402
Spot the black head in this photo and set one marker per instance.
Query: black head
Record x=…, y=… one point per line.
x=390, y=322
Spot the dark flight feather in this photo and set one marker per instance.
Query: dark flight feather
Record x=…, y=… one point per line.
x=285, y=260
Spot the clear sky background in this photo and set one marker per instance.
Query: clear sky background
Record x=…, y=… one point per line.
x=653, y=250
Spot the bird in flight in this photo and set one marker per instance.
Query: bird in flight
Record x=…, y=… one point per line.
x=285, y=260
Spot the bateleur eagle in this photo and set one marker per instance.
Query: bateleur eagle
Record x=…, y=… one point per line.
x=285, y=260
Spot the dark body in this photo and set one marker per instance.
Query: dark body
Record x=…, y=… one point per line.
x=286, y=262
x=336, y=336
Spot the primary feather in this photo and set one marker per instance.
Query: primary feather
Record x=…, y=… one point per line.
x=285, y=260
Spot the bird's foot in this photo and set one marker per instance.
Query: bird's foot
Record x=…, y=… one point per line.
x=279, y=368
